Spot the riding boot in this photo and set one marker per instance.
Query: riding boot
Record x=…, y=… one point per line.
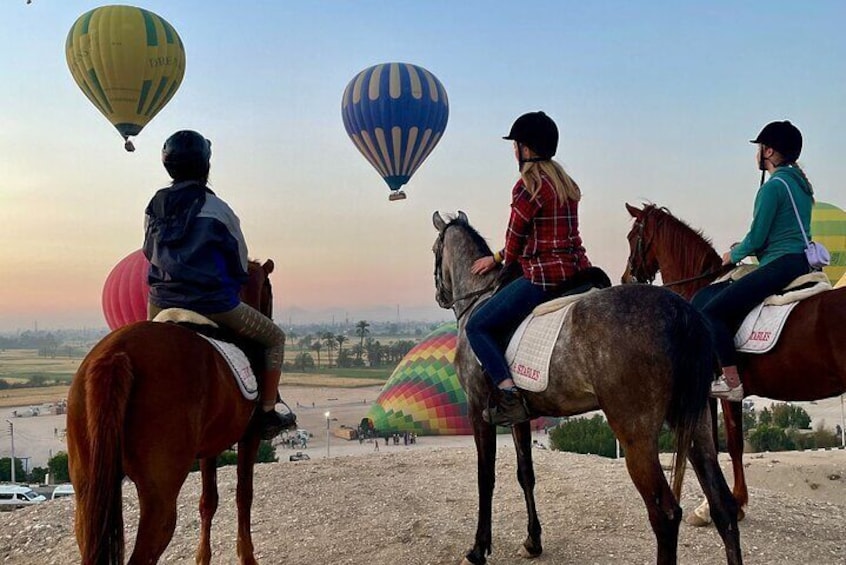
x=510, y=409
x=272, y=423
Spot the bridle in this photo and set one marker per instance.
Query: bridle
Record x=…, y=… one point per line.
x=638, y=259
x=443, y=295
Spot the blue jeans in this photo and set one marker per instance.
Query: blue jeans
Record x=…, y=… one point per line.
x=726, y=304
x=492, y=324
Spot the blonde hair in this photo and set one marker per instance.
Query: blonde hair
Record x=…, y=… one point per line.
x=565, y=187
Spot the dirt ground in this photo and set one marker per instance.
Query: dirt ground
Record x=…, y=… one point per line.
x=416, y=504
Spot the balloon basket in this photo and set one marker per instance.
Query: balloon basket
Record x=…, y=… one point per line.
x=397, y=195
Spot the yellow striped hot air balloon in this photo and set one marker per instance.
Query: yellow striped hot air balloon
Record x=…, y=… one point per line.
x=828, y=226
x=128, y=61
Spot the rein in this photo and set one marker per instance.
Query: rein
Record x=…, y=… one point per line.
x=475, y=295
x=721, y=271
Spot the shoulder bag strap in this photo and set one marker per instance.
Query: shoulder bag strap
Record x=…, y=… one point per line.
x=795, y=210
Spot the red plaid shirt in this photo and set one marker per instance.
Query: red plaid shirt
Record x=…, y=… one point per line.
x=543, y=236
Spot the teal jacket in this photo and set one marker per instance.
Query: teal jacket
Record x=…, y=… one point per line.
x=775, y=231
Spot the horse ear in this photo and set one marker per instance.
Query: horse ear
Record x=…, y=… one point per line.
x=268, y=266
x=463, y=217
x=438, y=222
x=635, y=212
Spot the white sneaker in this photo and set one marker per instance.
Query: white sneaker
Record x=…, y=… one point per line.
x=721, y=389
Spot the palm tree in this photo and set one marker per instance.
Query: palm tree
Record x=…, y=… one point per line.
x=329, y=340
x=340, y=338
x=358, y=351
x=316, y=346
x=361, y=331
x=292, y=337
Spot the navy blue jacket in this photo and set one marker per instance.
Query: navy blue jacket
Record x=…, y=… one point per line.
x=197, y=253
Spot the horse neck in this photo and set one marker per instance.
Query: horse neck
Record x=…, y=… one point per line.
x=462, y=253
x=682, y=254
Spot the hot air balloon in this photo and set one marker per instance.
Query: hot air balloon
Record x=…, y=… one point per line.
x=395, y=114
x=828, y=226
x=423, y=394
x=128, y=62
x=125, y=291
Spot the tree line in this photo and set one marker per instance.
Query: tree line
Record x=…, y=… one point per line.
x=779, y=427
x=327, y=349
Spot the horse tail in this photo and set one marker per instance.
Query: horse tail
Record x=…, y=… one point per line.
x=99, y=512
x=693, y=368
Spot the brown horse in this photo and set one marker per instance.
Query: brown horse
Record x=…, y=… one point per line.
x=147, y=401
x=641, y=354
x=809, y=361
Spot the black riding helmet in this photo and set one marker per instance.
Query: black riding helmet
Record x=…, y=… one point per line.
x=536, y=131
x=784, y=137
x=186, y=156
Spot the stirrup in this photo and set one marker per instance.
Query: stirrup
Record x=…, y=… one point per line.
x=721, y=389
x=510, y=410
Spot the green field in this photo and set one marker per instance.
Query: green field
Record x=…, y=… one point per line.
x=19, y=366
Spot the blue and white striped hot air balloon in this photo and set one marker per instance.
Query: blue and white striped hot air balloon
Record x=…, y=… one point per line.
x=395, y=113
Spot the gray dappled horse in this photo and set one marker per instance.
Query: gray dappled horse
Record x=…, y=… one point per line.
x=641, y=354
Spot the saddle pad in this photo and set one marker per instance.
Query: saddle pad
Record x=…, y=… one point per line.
x=182, y=315
x=530, y=350
x=240, y=366
x=762, y=327
x=794, y=292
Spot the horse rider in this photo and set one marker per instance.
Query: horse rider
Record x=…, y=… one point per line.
x=543, y=240
x=198, y=260
x=774, y=237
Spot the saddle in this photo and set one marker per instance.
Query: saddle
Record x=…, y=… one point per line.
x=529, y=350
x=244, y=357
x=760, y=330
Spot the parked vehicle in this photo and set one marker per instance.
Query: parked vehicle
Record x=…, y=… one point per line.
x=299, y=456
x=16, y=496
x=62, y=491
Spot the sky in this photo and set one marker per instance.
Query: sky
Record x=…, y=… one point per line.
x=655, y=101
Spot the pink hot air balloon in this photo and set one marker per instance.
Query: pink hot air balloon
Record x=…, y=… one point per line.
x=125, y=292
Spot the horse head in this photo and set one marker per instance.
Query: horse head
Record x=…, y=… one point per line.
x=658, y=241
x=258, y=292
x=642, y=264
x=458, y=244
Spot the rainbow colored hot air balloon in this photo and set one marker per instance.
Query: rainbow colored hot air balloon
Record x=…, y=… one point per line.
x=828, y=226
x=125, y=291
x=395, y=114
x=128, y=61
x=423, y=394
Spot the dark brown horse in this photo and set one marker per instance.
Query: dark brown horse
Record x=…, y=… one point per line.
x=641, y=354
x=147, y=401
x=809, y=361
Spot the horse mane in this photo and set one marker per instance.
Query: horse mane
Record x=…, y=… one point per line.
x=680, y=239
x=476, y=238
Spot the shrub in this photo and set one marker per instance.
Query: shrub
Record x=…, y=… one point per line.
x=584, y=435
x=767, y=437
x=58, y=466
x=6, y=470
